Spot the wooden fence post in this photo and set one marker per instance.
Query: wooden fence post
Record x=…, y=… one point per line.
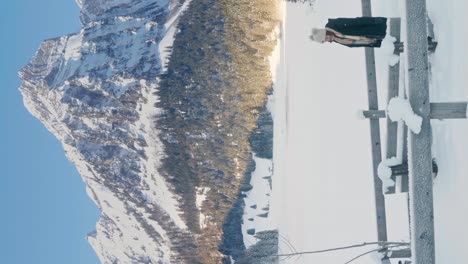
x=420, y=158
x=381, y=220
x=393, y=89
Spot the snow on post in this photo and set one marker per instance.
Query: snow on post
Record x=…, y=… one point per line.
x=400, y=109
x=360, y=114
x=393, y=136
x=385, y=173
x=387, y=48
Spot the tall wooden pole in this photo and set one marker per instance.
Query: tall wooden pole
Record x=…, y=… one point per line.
x=420, y=159
x=375, y=134
x=393, y=89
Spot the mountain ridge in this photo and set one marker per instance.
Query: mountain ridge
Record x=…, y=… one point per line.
x=98, y=101
x=155, y=103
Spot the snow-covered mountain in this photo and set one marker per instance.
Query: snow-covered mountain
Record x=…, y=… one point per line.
x=94, y=90
x=161, y=105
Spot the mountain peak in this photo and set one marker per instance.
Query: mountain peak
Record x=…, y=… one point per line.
x=95, y=91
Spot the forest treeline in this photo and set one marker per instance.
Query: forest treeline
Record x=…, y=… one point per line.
x=212, y=95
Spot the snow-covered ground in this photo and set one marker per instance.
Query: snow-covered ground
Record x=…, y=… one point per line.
x=449, y=83
x=257, y=215
x=323, y=193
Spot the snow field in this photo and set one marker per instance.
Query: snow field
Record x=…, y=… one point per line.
x=257, y=202
x=326, y=186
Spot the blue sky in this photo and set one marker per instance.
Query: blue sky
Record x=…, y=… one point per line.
x=46, y=213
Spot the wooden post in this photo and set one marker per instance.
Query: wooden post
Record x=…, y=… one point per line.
x=404, y=159
x=386, y=261
x=366, y=8
x=420, y=159
x=381, y=220
x=453, y=110
x=374, y=114
x=393, y=89
x=399, y=254
x=402, y=169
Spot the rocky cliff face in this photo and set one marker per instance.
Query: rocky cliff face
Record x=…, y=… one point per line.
x=95, y=91
x=161, y=107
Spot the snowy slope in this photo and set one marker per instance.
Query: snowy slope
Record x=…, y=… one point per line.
x=261, y=202
x=257, y=215
x=94, y=91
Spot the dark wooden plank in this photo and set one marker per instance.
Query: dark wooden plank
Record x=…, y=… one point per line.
x=404, y=177
x=374, y=114
x=393, y=89
x=453, y=110
x=381, y=220
x=420, y=177
x=402, y=169
x=366, y=8
x=399, y=254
